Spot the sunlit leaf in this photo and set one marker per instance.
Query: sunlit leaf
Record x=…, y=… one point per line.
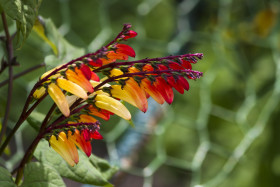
x=39, y=174
x=39, y=28
x=65, y=50
x=35, y=119
x=88, y=171
x=24, y=12
x=6, y=178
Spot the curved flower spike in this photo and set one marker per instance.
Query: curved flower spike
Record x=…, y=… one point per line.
x=72, y=88
x=112, y=105
x=59, y=98
x=65, y=148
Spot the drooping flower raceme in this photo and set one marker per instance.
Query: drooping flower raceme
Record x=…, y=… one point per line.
x=93, y=86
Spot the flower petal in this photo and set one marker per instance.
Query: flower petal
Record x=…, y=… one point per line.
x=39, y=92
x=79, y=140
x=78, y=77
x=112, y=105
x=72, y=88
x=66, y=149
x=59, y=98
x=99, y=113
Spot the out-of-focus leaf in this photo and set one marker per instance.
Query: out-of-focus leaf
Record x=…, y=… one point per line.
x=103, y=166
x=6, y=178
x=39, y=174
x=65, y=50
x=39, y=28
x=24, y=12
x=35, y=120
x=264, y=22
x=88, y=171
x=7, y=150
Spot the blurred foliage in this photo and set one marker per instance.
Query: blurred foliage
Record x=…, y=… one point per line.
x=224, y=131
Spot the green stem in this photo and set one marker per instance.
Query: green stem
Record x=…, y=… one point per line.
x=10, y=54
x=28, y=155
x=3, y=83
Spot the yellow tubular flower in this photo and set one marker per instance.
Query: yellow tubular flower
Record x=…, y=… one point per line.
x=112, y=105
x=50, y=71
x=122, y=94
x=65, y=148
x=72, y=88
x=59, y=98
x=39, y=93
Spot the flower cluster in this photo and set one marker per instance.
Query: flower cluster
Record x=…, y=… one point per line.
x=93, y=86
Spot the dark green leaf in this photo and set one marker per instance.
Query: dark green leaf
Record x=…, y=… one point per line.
x=88, y=171
x=39, y=174
x=6, y=178
x=24, y=12
x=35, y=120
x=65, y=51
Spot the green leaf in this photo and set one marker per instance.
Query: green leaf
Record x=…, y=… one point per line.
x=39, y=174
x=35, y=120
x=6, y=178
x=65, y=50
x=39, y=28
x=24, y=12
x=91, y=170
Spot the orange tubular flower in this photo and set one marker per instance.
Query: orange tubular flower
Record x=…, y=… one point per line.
x=149, y=88
x=65, y=148
x=104, y=114
x=135, y=92
x=120, y=52
x=80, y=141
x=87, y=119
x=78, y=77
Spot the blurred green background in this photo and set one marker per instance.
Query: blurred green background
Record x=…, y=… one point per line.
x=223, y=132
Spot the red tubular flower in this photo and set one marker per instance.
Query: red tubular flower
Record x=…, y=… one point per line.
x=94, y=77
x=104, y=114
x=129, y=34
x=86, y=71
x=96, y=135
x=79, y=140
x=120, y=52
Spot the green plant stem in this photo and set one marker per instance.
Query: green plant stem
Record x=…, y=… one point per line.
x=10, y=54
x=3, y=83
x=27, y=157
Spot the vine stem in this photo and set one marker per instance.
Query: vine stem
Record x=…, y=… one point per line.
x=3, y=83
x=10, y=53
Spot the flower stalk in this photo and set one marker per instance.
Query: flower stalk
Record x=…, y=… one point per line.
x=81, y=96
